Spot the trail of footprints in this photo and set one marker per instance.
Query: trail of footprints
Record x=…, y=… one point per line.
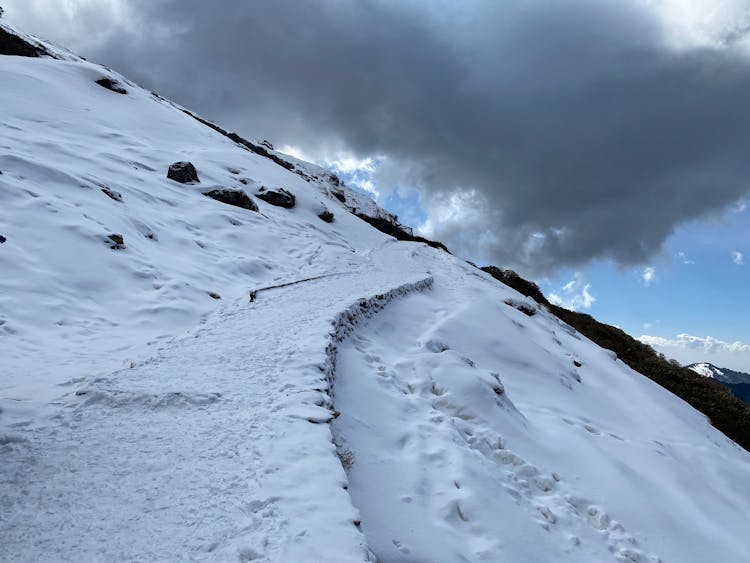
x=544, y=494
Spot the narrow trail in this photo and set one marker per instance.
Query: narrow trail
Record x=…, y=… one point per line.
x=230, y=419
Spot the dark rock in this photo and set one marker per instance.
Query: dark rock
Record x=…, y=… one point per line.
x=512, y=279
x=117, y=196
x=280, y=197
x=577, y=364
x=118, y=240
x=214, y=295
x=267, y=144
x=398, y=231
x=2, y=239
x=238, y=198
x=112, y=85
x=526, y=308
x=339, y=196
x=11, y=44
x=257, y=149
x=183, y=172
x=325, y=215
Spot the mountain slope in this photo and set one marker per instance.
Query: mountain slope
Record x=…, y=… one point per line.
x=726, y=412
x=230, y=384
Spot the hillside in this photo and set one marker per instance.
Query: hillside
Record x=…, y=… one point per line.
x=239, y=367
x=723, y=408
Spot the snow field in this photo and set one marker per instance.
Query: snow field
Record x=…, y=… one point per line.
x=475, y=437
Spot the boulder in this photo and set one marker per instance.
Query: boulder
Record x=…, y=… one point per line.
x=183, y=172
x=325, y=215
x=280, y=197
x=2, y=239
x=112, y=85
x=238, y=198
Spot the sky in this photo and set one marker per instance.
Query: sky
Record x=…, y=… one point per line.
x=599, y=148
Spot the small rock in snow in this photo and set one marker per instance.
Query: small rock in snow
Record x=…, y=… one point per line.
x=214, y=295
x=2, y=239
x=112, y=85
x=325, y=215
x=183, y=172
x=280, y=197
x=117, y=196
x=118, y=240
x=238, y=198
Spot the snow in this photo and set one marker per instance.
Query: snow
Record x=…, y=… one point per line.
x=475, y=437
x=377, y=399
x=706, y=370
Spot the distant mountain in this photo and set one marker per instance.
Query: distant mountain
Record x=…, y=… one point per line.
x=722, y=375
x=737, y=382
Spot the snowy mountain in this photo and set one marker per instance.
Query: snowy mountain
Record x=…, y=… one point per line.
x=737, y=382
x=240, y=367
x=722, y=375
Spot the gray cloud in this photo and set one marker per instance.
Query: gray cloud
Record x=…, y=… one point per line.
x=568, y=130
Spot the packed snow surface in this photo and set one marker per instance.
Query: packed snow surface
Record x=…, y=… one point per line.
x=374, y=400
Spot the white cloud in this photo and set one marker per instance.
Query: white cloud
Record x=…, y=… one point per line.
x=738, y=258
x=648, y=275
x=739, y=207
x=707, y=344
x=359, y=171
x=684, y=259
x=575, y=294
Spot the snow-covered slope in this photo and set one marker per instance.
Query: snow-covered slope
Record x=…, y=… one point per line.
x=722, y=375
x=376, y=400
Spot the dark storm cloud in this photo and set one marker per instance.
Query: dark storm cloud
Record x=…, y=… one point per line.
x=568, y=130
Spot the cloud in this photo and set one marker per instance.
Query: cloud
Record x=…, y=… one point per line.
x=571, y=130
x=648, y=275
x=684, y=259
x=738, y=258
x=705, y=344
x=574, y=295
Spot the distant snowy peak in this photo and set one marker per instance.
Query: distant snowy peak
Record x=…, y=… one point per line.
x=720, y=374
x=706, y=370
